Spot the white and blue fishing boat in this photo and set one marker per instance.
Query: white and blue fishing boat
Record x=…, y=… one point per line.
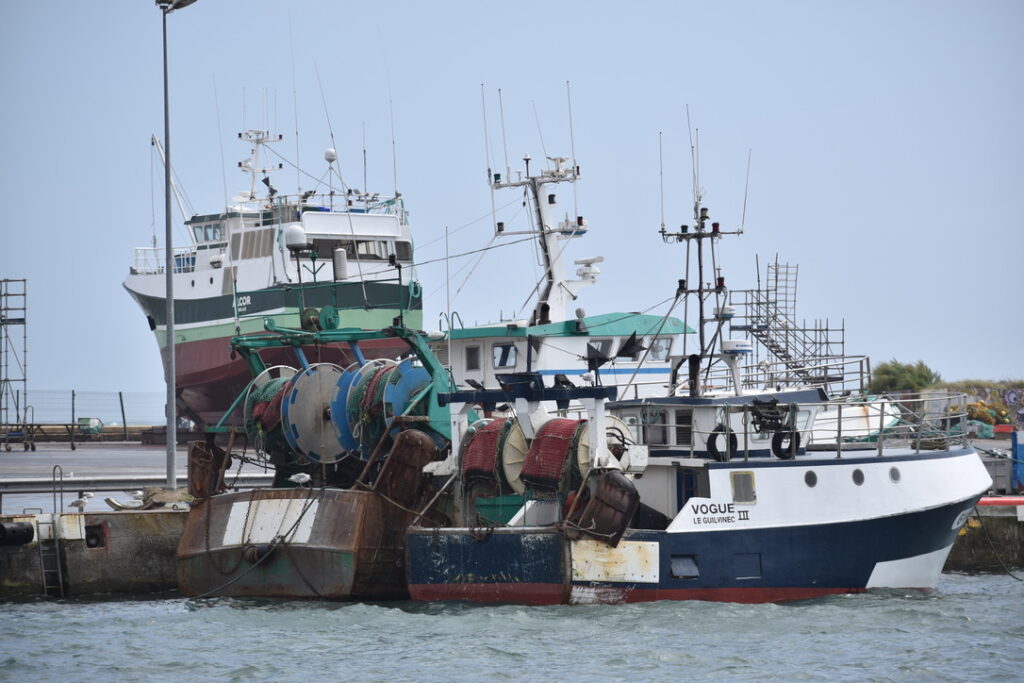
x=559, y=338
x=713, y=491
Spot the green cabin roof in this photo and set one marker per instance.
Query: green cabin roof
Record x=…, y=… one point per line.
x=605, y=325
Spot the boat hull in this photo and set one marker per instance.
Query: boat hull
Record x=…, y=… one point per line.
x=292, y=543
x=769, y=530
x=207, y=376
x=539, y=565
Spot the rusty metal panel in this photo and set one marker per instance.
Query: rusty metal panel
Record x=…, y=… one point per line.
x=629, y=562
x=262, y=521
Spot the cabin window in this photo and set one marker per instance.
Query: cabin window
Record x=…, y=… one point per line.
x=604, y=346
x=635, y=356
x=372, y=250
x=656, y=427
x=472, y=358
x=403, y=251
x=198, y=232
x=660, y=349
x=684, y=567
x=743, y=487
x=215, y=232
x=505, y=355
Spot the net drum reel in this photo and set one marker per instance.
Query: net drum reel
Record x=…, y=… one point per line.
x=554, y=448
x=262, y=409
x=513, y=448
x=404, y=386
x=480, y=452
x=339, y=407
x=306, y=414
x=362, y=412
x=575, y=460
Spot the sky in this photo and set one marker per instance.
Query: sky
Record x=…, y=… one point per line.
x=884, y=139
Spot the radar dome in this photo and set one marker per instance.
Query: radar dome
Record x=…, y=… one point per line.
x=295, y=238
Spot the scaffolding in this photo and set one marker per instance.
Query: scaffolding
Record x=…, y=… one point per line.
x=13, y=360
x=767, y=315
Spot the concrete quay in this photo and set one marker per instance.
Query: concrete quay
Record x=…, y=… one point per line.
x=94, y=550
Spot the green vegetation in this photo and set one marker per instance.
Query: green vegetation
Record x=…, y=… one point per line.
x=893, y=376
x=974, y=386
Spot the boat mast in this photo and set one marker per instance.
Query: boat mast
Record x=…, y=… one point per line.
x=554, y=291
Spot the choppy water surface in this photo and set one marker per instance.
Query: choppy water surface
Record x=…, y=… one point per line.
x=972, y=628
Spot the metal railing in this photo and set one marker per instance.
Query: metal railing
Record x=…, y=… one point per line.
x=845, y=375
x=918, y=422
x=151, y=260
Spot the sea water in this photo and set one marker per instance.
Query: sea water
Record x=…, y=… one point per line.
x=971, y=628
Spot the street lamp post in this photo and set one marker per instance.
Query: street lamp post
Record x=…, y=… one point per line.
x=166, y=7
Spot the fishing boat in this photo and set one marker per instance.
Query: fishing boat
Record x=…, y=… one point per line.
x=558, y=338
x=237, y=271
x=716, y=490
x=348, y=446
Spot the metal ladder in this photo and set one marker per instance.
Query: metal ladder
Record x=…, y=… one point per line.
x=49, y=542
x=49, y=557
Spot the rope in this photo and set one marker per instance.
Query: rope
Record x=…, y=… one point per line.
x=993, y=547
x=280, y=539
x=997, y=454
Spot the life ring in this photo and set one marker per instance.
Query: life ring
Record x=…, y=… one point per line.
x=785, y=444
x=713, y=445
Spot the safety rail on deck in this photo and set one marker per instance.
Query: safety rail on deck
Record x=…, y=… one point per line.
x=151, y=260
x=919, y=422
x=845, y=375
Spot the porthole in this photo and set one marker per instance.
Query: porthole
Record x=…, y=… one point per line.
x=810, y=478
x=894, y=474
x=858, y=477
x=193, y=283
x=211, y=280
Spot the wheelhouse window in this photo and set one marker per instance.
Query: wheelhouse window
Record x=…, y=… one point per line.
x=472, y=358
x=504, y=355
x=602, y=345
x=372, y=249
x=656, y=426
x=403, y=251
x=631, y=357
x=660, y=349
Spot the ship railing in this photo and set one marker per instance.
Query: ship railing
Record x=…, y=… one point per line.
x=357, y=202
x=839, y=376
x=852, y=427
x=152, y=260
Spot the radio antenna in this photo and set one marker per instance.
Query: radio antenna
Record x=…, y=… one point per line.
x=746, y=189
x=572, y=150
x=487, y=156
x=504, y=145
x=661, y=181
x=295, y=108
x=694, y=169
x=540, y=133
